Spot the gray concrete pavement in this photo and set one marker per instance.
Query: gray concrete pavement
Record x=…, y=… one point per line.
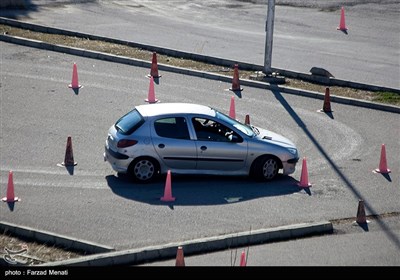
x=305, y=32
x=38, y=111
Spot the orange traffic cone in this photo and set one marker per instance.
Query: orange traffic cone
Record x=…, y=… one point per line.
x=235, y=80
x=342, y=25
x=361, y=218
x=69, y=155
x=327, y=102
x=151, y=97
x=304, y=176
x=180, y=261
x=247, y=120
x=10, y=190
x=167, y=190
x=74, y=84
x=243, y=259
x=382, y=163
x=154, y=67
x=232, y=112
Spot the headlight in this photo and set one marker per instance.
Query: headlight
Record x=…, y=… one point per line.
x=293, y=151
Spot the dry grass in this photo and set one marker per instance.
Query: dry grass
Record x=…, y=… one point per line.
x=124, y=50
x=36, y=253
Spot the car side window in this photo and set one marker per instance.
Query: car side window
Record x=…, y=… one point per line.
x=175, y=127
x=209, y=130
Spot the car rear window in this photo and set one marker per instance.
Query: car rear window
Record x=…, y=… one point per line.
x=129, y=123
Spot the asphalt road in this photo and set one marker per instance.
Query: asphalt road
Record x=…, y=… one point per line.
x=305, y=34
x=38, y=111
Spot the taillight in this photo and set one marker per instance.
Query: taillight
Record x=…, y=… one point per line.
x=126, y=143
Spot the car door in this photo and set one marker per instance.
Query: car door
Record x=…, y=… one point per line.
x=171, y=141
x=218, y=146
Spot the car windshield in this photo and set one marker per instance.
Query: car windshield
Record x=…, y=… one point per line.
x=129, y=123
x=240, y=126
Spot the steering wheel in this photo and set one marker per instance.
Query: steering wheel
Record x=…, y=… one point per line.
x=206, y=122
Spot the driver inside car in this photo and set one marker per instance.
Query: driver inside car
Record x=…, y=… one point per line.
x=212, y=131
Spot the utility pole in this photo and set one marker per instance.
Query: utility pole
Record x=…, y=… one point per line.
x=269, y=29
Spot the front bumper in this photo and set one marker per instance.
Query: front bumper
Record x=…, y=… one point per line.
x=289, y=166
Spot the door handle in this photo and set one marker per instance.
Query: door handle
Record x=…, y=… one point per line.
x=203, y=148
x=161, y=146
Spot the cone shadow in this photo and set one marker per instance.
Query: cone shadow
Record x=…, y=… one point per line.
x=364, y=226
x=70, y=169
x=156, y=80
x=345, y=32
x=238, y=93
x=329, y=114
x=11, y=205
x=76, y=91
x=307, y=190
x=387, y=176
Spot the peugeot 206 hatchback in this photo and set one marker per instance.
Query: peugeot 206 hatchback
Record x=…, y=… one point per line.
x=194, y=139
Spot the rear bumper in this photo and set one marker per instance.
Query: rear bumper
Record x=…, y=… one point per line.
x=119, y=162
x=115, y=155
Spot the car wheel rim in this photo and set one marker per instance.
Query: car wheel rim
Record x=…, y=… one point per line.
x=270, y=168
x=144, y=170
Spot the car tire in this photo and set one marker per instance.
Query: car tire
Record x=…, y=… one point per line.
x=144, y=170
x=265, y=168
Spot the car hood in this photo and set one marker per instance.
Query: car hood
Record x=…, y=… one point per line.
x=272, y=137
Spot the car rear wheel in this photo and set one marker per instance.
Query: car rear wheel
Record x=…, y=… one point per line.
x=265, y=168
x=144, y=170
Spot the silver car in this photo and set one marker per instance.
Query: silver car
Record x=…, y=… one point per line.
x=194, y=139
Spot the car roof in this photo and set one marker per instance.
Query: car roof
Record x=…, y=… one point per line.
x=148, y=110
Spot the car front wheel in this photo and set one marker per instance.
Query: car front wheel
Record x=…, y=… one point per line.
x=265, y=168
x=144, y=170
